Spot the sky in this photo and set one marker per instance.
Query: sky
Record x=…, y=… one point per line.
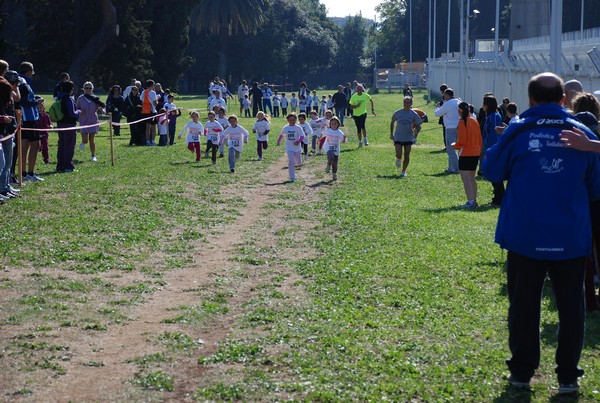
x=343, y=8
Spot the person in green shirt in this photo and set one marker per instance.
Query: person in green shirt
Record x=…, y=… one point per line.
x=358, y=103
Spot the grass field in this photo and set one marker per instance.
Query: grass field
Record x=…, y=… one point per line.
x=372, y=288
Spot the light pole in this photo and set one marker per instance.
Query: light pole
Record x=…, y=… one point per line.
x=447, y=45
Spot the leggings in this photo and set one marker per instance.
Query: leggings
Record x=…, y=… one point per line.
x=195, y=146
x=260, y=146
x=294, y=158
x=210, y=147
x=305, y=148
x=332, y=161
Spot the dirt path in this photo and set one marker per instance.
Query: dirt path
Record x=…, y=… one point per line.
x=137, y=337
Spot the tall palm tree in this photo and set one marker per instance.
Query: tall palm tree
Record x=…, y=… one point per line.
x=225, y=18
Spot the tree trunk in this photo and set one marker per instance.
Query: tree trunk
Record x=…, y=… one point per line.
x=222, y=67
x=96, y=45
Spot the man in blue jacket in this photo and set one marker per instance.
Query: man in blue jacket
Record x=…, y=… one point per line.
x=544, y=223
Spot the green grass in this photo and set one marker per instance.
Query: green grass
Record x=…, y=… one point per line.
x=402, y=293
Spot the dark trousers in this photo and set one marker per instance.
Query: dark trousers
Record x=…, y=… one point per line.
x=212, y=148
x=332, y=161
x=66, y=148
x=256, y=107
x=260, y=146
x=525, y=283
x=498, y=192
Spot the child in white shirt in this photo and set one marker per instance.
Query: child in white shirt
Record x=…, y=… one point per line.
x=163, y=128
x=334, y=137
x=294, y=136
x=235, y=136
x=323, y=106
x=221, y=118
x=307, y=132
x=302, y=104
x=293, y=103
x=213, y=130
x=317, y=125
x=194, y=130
x=246, y=106
x=276, y=103
x=261, y=128
x=284, y=104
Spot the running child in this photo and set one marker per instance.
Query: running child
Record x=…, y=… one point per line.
x=213, y=131
x=194, y=130
x=323, y=106
x=236, y=136
x=44, y=122
x=315, y=105
x=261, y=128
x=224, y=121
x=334, y=137
x=307, y=133
x=293, y=138
x=317, y=125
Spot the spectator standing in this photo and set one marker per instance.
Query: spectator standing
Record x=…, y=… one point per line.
x=543, y=236
x=449, y=112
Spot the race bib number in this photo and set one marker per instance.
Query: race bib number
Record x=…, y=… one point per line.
x=214, y=138
x=291, y=136
x=235, y=143
x=333, y=148
x=195, y=136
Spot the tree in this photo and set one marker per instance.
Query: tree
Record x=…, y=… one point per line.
x=99, y=41
x=225, y=18
x=351, y=46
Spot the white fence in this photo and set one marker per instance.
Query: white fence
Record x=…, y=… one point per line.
x=507, y=76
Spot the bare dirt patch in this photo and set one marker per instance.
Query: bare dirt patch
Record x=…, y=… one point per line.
x=99, y=366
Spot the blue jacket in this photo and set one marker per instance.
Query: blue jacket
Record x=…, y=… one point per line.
x=489, y=135
x=28, y=103
x=545, y=212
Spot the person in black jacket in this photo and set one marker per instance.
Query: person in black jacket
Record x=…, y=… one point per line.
x=114, y=105
x=340, y=103
x=256, y=95
x=67, y=138
x=132, y=109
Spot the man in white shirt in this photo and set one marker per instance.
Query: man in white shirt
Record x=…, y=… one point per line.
x=449, y=112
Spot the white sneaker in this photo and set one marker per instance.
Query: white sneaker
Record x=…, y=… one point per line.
x=81, y=146
x=366, y=142
x=359, y=144
x=27, y=178
x=334, y=177
x=94, y=159
x=402, y=174
x=398, y=163
x=34, y=178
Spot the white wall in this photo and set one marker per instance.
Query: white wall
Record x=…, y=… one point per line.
x=477, y=78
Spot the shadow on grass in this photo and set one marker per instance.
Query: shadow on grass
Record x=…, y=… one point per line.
x=512, y=394
x=388, y=176
x=279, y=183
x=480, y=209
x=440, y=151
x=322, y=183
